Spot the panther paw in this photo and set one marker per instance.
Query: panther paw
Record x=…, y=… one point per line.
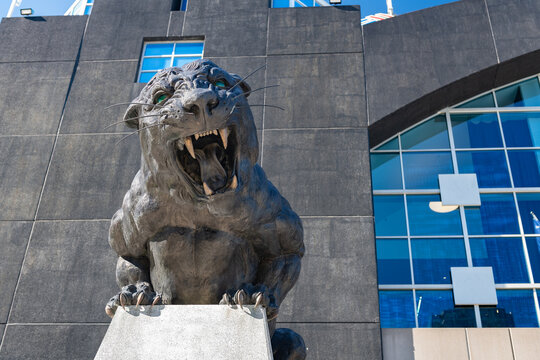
x=138, y=294
x=249, y=294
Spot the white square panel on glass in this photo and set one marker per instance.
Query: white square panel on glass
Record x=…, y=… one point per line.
x=459, y=189
x=473, y=286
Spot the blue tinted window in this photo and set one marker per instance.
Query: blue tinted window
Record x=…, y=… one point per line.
x=422, y=169
x=432, y=259
x=280, y=3
x=390, y=145
x=489, y=166
x=431, y=134
x=156, y=63
x=424, y=221
x=485, y=101
x=146, y=76
x=526, y=93
x=496, y=215
x=386, y=171
x=521, y=129
x=436, y=309
x=181, y=61
x=476, y=131
x=396, y=309
x=183, y=7
x=389, y=215
x=527, y=203
x=393, y=265
x=188, y=48
x=533, y=247
x=88, y=10
x=525, y=165
x=159, y=49
x=515, y=309
x=504, y=255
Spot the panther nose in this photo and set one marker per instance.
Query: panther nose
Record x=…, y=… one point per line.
x=200, y=100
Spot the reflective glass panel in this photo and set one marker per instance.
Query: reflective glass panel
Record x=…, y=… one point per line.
x=189, y=48
x=156, y=63
x=527, y=203
x=435, y=308
x=489, y=166
x=89, y=1
x=396, y=309
x=424, y=221
x=88, y=10
x=432, y=259
x=496, y=215
x=521, y=129
x=533, y=247
x=181, y=61
x=389, y=215
x=183, y=7
x=504, y=255
x=146, y=76
x=421, y=169
x=431, y=134
x=525, y=165
x=476, y=131
x=515, y=309
x=485, y=101
x=159, y=49
x=386, y=171
x=526, y=93
x=393, y=265
x=390, y=145
x=280, y=3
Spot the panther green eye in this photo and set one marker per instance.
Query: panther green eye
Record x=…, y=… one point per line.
x=221, y=84
x=162, y=98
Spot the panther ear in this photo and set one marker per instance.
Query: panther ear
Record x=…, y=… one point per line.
x=132, y=112
x=243, y=85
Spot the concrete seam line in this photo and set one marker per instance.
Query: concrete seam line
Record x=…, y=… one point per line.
x=492, y=33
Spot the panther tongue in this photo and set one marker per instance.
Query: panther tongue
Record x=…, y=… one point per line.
x=213, y=175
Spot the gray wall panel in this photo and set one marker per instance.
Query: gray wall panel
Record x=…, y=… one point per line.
x=24, y=163
x=52, y=342
x=51, y=38
x=89, y=176
x=34, y=96
x=68, y=274
x=13, y=239
x=314, y=30
x=338, y=280
x=176, y=23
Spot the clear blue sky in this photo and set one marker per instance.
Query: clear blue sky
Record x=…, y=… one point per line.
x=58, y=7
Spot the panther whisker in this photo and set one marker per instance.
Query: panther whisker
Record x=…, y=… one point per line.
x=126, y=120
x=131, y=103
x=136, y=132
x=252, y=91
x=272, y=106
x=245, y=77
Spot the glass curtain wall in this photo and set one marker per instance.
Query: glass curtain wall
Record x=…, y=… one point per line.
x=497, y=137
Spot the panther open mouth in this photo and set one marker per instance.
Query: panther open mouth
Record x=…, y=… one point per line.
x=208, y=159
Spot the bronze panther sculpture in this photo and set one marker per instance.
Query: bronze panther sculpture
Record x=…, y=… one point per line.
x=201, y=223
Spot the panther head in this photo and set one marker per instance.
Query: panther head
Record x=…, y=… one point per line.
x=196, y=129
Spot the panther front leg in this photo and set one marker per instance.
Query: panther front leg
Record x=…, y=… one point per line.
x=132, y=275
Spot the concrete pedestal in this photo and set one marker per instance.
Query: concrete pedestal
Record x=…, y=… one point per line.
x=187, y=332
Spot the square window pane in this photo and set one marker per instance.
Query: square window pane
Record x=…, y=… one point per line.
x=280, y=3
x=476, y=131
x=496, y=215
x=521, y=129
x=386, y=171
x=432, y=259
x=424, y=221
x=485, y=101
x=390, y=145
x=526, y=93
x=396, y=309
x=156, y=63
x=529, y=203
x=489, y=166
x=393, y=265
x=189, y=48
x=431, y=134
x=515, y=309
x=435, y=308
x=533, y=248
x=159, y=49
x=389, y=215
x=146, y=76
x=525, y=167
x=504, y=255
x=422, y=169
x=181, y=61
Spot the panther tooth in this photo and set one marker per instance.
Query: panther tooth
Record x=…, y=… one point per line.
x=196, y=136
x=234, y=182
x=189, y=146
x=207, y=190
x=224, y=133
x=214, y=132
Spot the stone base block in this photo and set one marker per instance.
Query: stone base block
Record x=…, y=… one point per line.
x=187, y=332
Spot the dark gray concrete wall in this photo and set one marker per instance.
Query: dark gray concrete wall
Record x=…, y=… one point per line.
x=63, y=176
